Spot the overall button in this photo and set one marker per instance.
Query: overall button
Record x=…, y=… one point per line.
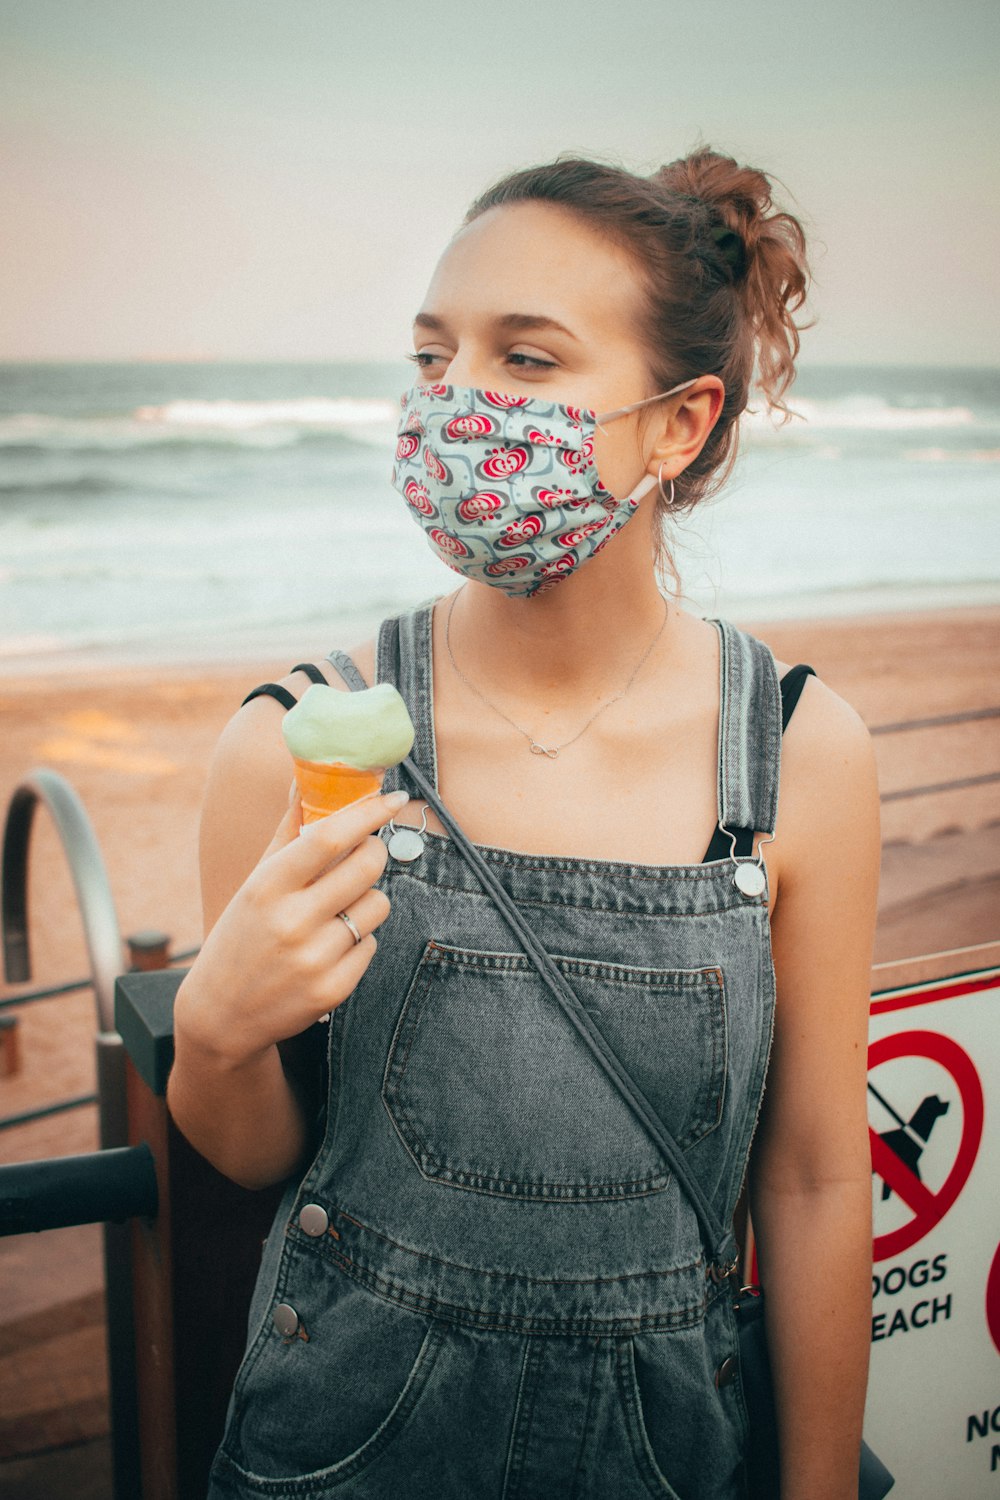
x=405, y=843
x=726, y=1372
x=749, y=879
x=314, y=1220
x=286, y=1320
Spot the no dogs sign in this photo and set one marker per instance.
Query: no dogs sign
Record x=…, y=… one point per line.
x=933, y=1410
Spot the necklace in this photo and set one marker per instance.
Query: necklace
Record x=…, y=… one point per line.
x=549, y=750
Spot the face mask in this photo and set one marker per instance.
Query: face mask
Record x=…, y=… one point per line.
x=506, y=487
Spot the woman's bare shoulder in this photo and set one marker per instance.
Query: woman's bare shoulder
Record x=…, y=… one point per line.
x=251, y=747
x=250, y=781
x=829, y=778
x=253, y=732
x=824, y=721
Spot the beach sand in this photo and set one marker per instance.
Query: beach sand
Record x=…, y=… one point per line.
x=136, y=745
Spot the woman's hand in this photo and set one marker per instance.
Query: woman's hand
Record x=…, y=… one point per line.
x=279, y=957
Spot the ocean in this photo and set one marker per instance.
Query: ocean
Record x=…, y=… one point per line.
x=184, y=513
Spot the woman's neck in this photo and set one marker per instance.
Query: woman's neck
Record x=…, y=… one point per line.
x=573, y=645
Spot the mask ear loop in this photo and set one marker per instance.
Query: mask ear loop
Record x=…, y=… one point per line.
x=623, y=411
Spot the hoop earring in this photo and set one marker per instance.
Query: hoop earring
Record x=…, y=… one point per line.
x=668, y=504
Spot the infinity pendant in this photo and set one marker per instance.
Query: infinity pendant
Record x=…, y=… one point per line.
x=537, y=749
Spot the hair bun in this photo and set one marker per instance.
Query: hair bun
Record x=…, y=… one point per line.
x=732, y=249
x=762, y=249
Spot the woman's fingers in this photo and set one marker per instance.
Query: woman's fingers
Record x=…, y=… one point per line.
x=367, y=912
x=332, y=961
x=301, y=860
x=348, y=879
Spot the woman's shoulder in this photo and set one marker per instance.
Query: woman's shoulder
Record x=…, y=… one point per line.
x=828, y=768
x=252, y=735
x=250, y=774
x=829, y=775
x=822, y=717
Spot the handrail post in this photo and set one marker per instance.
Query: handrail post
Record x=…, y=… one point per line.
x=104, y=946
x=194, y=1265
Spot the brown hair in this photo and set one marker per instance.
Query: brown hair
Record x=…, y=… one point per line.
x=724, y=272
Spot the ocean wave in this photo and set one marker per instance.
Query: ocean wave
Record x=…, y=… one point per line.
x=857, y=413
x=313, y=411
x=249, y=424
x=77, y=484
x=952, y=455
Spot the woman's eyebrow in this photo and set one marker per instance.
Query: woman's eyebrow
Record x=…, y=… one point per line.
x=525, y=321
x=521, y=322
x=428, y=320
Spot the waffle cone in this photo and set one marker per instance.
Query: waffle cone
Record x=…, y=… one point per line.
x=325, y=788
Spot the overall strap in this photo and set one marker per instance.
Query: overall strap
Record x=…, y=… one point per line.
x=405, y=659
x=345, y=667
x=749, y=731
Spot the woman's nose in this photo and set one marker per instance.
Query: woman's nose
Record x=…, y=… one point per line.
x=472, y=364
x=466, y=370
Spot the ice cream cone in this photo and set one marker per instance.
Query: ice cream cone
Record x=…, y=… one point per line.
x=326, y=787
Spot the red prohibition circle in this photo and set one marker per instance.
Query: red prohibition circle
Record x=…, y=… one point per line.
x=928, y=1208
x=993, y=1300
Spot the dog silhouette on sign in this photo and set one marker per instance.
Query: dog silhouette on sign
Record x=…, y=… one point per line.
x=909, y=1140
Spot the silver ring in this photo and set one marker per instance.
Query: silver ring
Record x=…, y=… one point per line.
x=345, y=918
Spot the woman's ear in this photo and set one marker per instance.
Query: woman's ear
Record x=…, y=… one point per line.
x=687, y=427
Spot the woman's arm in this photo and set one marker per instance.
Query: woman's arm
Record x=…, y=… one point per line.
x=275, y=957
x=810, y=1174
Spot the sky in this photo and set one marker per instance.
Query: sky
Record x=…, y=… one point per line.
x=235, y=179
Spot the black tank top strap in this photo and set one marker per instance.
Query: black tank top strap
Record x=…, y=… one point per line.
x=272, y=690
x=791, y=686
x=284, y=697
x=312, y=672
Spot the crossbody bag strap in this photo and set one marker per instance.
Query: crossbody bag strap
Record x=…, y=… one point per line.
x=719, y=1242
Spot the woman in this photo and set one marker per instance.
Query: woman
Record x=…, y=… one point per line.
x=481, y=1280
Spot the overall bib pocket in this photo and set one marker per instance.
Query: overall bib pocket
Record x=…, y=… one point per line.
x=490, y=1088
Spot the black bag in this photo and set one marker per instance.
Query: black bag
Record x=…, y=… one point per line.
x=874, y=1480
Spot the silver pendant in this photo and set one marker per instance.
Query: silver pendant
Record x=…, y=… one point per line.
x=749, y=879
x=405, y=844
x=537, y=749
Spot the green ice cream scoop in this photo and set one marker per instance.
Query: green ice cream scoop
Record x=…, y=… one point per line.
x=369, y=729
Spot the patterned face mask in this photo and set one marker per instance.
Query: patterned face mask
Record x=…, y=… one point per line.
x=506, y=487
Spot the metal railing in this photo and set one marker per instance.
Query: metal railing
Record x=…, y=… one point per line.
x=73, y=986
x=56, y=991
x=104, y=946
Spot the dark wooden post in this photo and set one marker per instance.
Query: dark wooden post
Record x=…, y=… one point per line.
x=194, y=1266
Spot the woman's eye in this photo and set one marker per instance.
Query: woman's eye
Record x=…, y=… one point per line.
x=529, y=362
x=424, y=359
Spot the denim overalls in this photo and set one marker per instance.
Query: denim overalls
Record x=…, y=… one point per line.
x=487, y=1286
